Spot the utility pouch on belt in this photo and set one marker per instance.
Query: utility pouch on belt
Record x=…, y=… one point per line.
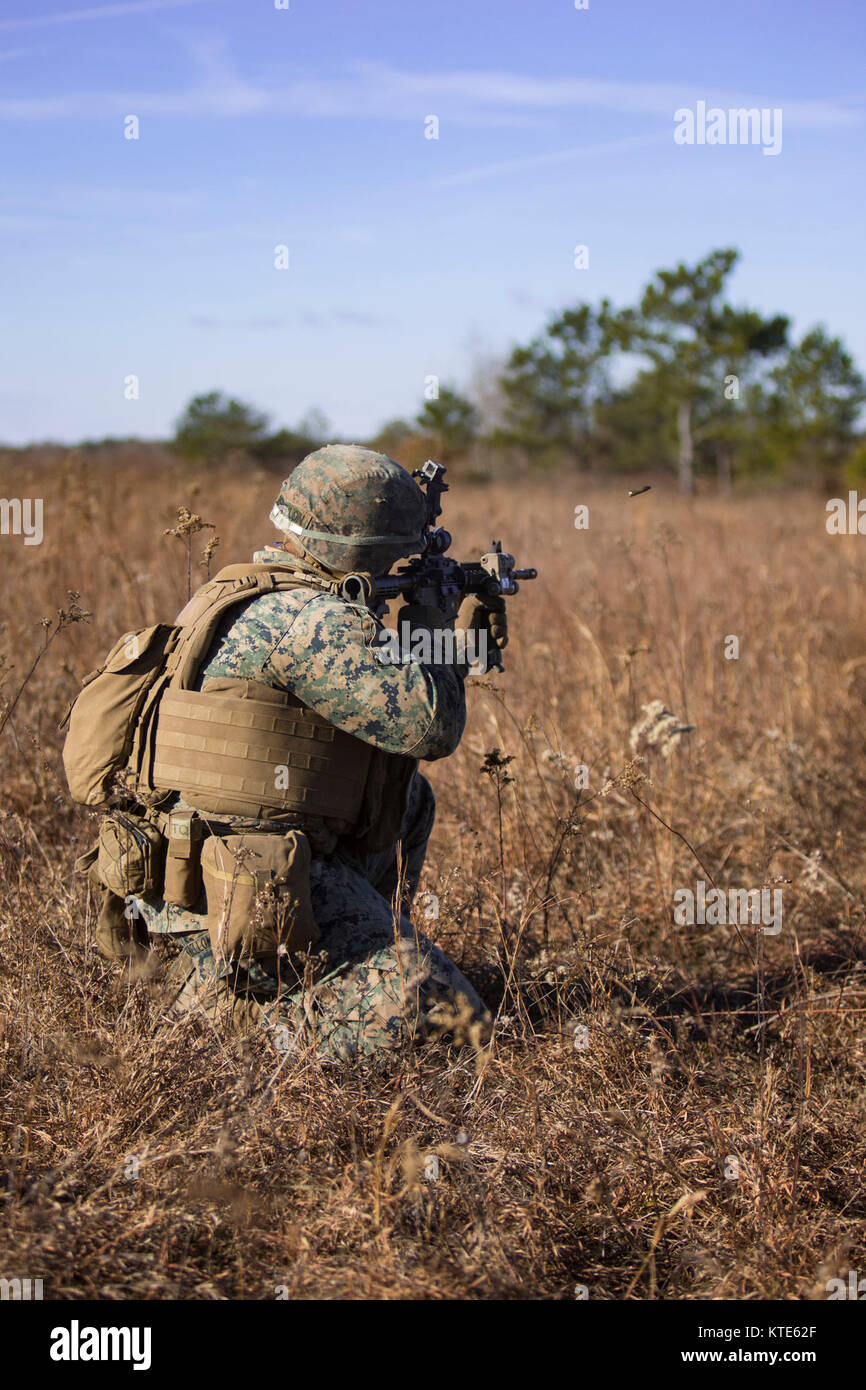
x=130, y=857
x=118, y=936
x=258, y=894
x=183, y=881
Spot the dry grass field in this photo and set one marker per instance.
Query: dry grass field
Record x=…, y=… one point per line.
x=666, y=1112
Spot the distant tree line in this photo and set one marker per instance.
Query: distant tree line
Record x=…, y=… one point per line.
x=683, y=381
x=215, y=426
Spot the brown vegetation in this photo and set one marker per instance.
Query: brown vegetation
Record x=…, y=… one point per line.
x=148, y=1160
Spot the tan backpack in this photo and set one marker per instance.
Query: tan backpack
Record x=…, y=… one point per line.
x=111, y=723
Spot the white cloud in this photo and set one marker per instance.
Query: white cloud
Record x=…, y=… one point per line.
x=533, y=161
x=376, y=91
x=46, y=21
x=514, y=91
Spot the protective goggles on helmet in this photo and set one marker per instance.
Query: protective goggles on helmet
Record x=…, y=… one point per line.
x=282, y=515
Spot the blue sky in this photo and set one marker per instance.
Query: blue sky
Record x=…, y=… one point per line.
x=408, y=256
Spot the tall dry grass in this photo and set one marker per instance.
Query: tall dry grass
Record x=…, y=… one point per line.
x=142, y=1160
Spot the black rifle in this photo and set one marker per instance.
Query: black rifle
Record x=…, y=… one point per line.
x=435, y=578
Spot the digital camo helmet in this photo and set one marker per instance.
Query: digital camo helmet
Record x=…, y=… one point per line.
x=352, y=509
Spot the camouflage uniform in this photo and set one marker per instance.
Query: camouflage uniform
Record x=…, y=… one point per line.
x=372, y=982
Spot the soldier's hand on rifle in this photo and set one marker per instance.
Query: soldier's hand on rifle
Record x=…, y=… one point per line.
x=484, y=613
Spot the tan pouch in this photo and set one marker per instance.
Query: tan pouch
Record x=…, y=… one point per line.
x=183, y=859
x=258, y=894
x=119, y=937
x=131, y=854
x=102, y=718
x=85, y=864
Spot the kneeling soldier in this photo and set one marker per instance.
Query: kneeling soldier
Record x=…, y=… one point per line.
x=277, y=759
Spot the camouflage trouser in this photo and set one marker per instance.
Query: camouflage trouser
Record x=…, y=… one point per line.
x=370, y=984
